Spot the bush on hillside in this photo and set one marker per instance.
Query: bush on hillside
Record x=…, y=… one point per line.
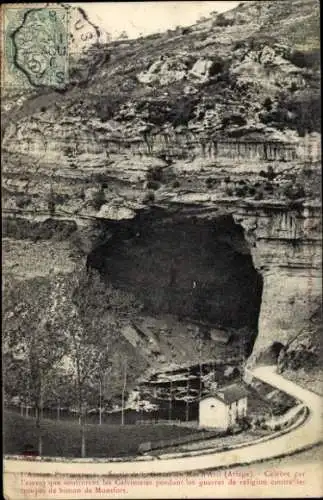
x=309, y=59
x=294, y=191
x=98, y=199
x=149, y=197
x=222, y=21
x=153, y=185
x=155, y=174
x=301, y=112
x=218, y=66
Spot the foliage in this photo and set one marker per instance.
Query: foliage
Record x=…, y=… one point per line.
x=153, y=185
x=270, y=174
x=268, y=104
x=300, y=112
x=211, y=182
x=149, y=197
x=98, y=199
x=23, y=201
x=234, y=119
x=75, y=317
x=294, y=191
x=222, y=21
x=308, y=59
x=23, y=229
x=51, y=204
x=33, y=336
x=219, y=65
x=155, y=174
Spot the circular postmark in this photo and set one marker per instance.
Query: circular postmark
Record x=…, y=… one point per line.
x=50, y=46
x=41, y=46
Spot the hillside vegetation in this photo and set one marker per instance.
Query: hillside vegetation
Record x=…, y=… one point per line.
x=253, y=66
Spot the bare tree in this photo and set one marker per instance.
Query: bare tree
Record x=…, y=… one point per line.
x=35, y=343
x=93, y=316
x=88, y=354
x=44, y=352
x=124, y=386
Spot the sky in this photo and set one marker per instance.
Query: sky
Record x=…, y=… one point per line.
x=136, y=18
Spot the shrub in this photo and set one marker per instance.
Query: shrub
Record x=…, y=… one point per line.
x=210, y=182
x=259, y=195
x=59, y=199
x=69, y=151
x=222, y=21
x=23, y=201
x=269, y=174
x=241, y=190
x=234, y=119
x=82, y=194
x=149, y=197
x=155, y=174
x=244, y=423
x=51, y=205
x=176, y=184
x=268, y=104
x=308, y=172
x=98, y=199
x=302, y=59
x=99, y=178
x=229, y=191
x=301, y=113
x=153, y=185
x=218, y=66
x=269, y=187
x=294, y=191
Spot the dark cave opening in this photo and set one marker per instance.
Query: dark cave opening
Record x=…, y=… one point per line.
x=189, y=267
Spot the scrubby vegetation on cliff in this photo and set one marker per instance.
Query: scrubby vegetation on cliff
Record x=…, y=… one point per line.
x=180, y=121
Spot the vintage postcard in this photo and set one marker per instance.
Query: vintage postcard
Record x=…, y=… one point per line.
x=161, y=207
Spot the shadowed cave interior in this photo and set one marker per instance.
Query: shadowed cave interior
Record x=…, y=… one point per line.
x=185, y=266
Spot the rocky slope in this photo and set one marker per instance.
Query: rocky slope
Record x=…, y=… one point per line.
x=207, y=124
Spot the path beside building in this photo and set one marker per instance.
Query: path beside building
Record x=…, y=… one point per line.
x=304, y=436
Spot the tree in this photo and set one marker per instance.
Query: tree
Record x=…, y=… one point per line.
x=72, y=320
x=34, y=342
x=93, y=314
x=45, y=350
x=124, y=386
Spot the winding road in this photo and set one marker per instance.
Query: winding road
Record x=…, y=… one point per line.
x=306, y=435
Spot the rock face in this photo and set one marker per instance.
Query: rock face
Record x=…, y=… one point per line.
x=183, y=141
x=287, y=251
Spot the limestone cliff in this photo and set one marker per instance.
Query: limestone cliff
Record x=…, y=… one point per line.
x=200, y=131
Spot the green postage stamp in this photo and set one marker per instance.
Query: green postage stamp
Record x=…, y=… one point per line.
x=35, y=43
x=45, y=46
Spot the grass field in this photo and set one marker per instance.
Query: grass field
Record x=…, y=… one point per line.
x=64, y=438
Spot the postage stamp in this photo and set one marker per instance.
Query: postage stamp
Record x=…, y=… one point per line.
x=35, y=46
x=44, y=45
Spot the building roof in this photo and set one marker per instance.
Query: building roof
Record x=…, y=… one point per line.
x=229, y=394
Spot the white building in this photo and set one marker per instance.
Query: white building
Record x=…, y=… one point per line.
x=223, y=408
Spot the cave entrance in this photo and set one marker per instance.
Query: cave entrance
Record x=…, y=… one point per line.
x=188, y=267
